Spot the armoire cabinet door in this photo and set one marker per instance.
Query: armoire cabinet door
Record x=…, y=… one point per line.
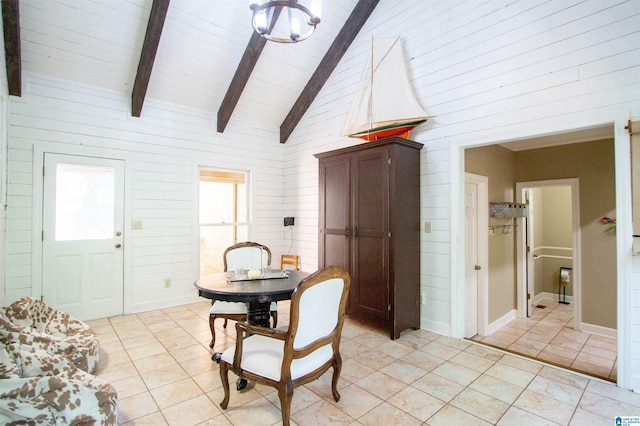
x=370, y=217
x=334, y=213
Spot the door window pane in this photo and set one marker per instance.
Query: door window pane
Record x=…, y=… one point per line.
x=85, y=202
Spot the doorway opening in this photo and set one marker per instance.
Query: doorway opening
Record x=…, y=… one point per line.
x=511, y=315
x=548, y=246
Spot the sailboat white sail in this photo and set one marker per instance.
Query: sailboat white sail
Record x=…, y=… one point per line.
x=385, y=105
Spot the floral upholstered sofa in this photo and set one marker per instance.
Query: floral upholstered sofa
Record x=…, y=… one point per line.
x=46, y=357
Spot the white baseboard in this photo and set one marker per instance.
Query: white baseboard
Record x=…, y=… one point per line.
x=166, y=303
x=599, y=330
x=501, y=322
x=435, y=327
x=549, y=296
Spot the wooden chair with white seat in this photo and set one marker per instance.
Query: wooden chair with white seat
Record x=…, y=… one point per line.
x=286, y=359
x=245, y=255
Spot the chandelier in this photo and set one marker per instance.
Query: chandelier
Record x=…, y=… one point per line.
x=265, y=15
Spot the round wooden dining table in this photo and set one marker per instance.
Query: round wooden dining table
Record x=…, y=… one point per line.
x=256, y=293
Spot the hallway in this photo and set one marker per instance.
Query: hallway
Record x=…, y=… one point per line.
x=548, y=336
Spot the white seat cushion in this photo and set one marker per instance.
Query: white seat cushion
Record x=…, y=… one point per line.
x=220, y=307
x=263, y=355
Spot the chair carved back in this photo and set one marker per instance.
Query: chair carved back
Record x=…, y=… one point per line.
x=246, y=255
x=317, y=312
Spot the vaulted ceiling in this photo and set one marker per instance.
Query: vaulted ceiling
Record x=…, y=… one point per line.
x=200, y=54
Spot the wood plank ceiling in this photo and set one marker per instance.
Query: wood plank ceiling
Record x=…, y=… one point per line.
x=55, y=37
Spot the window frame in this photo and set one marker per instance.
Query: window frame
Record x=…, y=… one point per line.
x=222, y=175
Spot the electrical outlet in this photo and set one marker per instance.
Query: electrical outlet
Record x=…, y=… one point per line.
x=136, y=224
x=167, y=282
x=422, y=298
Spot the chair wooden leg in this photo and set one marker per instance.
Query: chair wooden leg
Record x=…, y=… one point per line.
x=285, y=393
x=274, y=318
x=212, y=318
x=224, y=377
x=337, y=366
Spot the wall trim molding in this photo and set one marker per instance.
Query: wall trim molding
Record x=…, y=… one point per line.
x=599, y=330
x=501, y=322
x=546, y=295
x=435, y=327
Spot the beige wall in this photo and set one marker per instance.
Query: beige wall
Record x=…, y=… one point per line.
x=593, y=164
x=557, y=216
x=553, y=228
x=498, y=164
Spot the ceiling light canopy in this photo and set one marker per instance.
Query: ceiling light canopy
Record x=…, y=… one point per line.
x=264, y=13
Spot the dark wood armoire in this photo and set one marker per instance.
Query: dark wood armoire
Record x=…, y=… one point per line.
x=369, y=224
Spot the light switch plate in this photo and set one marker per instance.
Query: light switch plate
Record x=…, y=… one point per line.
x=427, y=227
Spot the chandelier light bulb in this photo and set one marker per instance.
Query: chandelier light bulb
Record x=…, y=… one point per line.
x=294, y=28
x=261, y=22
x=316, y=9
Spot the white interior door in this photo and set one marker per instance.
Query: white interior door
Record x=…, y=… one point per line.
x=83, y=208
x=530, y=244
x=471, y=259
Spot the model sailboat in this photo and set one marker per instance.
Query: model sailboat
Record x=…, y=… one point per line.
x=385, y=105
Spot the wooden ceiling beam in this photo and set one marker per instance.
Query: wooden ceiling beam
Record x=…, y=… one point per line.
x=243, y=73
x=345, y=37
x=148, y=55
x=12, y=53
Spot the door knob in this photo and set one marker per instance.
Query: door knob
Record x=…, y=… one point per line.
x=118, y=245
x=477, y=267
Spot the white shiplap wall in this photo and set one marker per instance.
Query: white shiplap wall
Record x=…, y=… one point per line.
x=487, y=72
x=162, y=151
x=3, y=222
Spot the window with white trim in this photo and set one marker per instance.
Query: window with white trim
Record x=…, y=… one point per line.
x=223, y=215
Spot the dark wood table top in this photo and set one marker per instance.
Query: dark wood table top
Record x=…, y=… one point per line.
x=217, y=286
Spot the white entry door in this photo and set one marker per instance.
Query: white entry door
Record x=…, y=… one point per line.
x=471, y=259
x=83, y=208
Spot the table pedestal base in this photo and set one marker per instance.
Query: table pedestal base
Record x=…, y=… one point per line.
x=259, y=313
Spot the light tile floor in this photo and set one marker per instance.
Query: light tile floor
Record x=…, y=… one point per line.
x=159, y=362
x=548, y=335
